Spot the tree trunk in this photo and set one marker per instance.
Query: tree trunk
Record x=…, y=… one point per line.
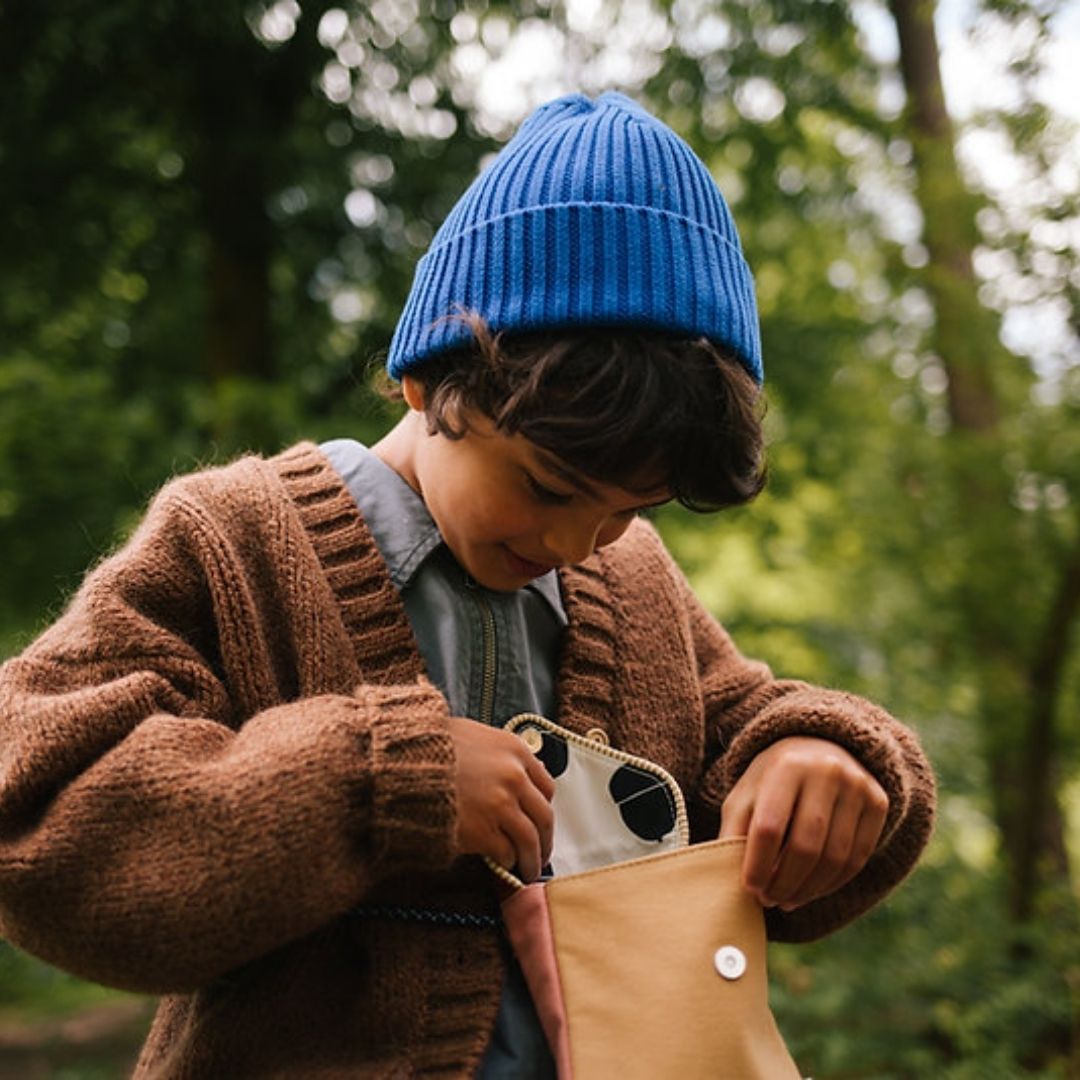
x=233, y=143
x=1020, y=688
x=239, y=104
x=238, y=337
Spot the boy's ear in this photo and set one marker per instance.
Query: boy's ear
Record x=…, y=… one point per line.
x=412, y=390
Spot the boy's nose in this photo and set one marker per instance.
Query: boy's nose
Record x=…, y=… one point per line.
x=571, y=542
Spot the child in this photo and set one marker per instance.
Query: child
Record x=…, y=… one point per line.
x=252, y=766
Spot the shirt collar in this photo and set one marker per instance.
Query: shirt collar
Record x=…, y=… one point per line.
x=404, y=531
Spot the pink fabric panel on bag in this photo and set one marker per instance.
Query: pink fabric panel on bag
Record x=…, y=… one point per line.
x=528, y=925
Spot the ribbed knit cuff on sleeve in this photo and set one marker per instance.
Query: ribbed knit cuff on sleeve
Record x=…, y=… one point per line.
x=868, y=733
x=414, y=814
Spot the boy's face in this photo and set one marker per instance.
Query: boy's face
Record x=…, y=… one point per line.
x=507, y=509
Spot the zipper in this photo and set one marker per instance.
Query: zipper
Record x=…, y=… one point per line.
x=488, y=657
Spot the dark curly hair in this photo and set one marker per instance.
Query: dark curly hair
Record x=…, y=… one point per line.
x=619, y=405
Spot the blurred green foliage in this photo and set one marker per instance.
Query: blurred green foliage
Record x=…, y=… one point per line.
x=152, y=158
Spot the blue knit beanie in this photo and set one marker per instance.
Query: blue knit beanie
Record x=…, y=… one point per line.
x=594, y=214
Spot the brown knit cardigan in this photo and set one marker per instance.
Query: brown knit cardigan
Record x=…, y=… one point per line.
x=228, y=743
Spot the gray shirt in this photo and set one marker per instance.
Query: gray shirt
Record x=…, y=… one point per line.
x=492, y=655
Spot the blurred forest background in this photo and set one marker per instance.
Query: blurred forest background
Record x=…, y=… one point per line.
x=210, y=217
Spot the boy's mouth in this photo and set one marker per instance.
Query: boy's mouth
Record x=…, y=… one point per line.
x=526, y=567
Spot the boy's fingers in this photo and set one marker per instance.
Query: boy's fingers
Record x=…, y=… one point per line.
x=864, y=844
x=802, y=849
x=854, y=830
x=818, y=866
x=858, y=820
x=539, y=775
x=503, y=851
x=765, y=833
x=525, y=825
x=526, y=846
x=539, y=811
x=735, y=820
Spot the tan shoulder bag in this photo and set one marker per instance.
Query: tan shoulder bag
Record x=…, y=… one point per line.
x=648, y=968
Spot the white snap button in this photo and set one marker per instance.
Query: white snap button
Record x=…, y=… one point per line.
x=730, y=962
x=598, y=734
x=533, y=739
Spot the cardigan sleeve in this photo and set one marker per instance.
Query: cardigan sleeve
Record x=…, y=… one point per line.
x=747, y=710
x=171, y=809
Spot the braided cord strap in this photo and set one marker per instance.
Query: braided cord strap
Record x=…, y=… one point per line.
x=428, y=916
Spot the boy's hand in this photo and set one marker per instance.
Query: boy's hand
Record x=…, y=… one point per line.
x=503, y=798
x=812, y=816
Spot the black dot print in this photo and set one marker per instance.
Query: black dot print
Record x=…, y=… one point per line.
x=644, y=802
x=554, y=754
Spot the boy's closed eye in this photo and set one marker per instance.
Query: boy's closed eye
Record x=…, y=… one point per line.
x=549, y=497
x=545, y=494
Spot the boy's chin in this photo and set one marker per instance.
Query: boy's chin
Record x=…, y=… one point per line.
x=496, y=582
x=503, y=571
x=519, y=567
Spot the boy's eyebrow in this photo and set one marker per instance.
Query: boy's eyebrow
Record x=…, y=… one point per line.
x=575, y=479
x=564, y=472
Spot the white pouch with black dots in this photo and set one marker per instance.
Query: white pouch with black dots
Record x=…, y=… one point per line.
x=609, y=805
